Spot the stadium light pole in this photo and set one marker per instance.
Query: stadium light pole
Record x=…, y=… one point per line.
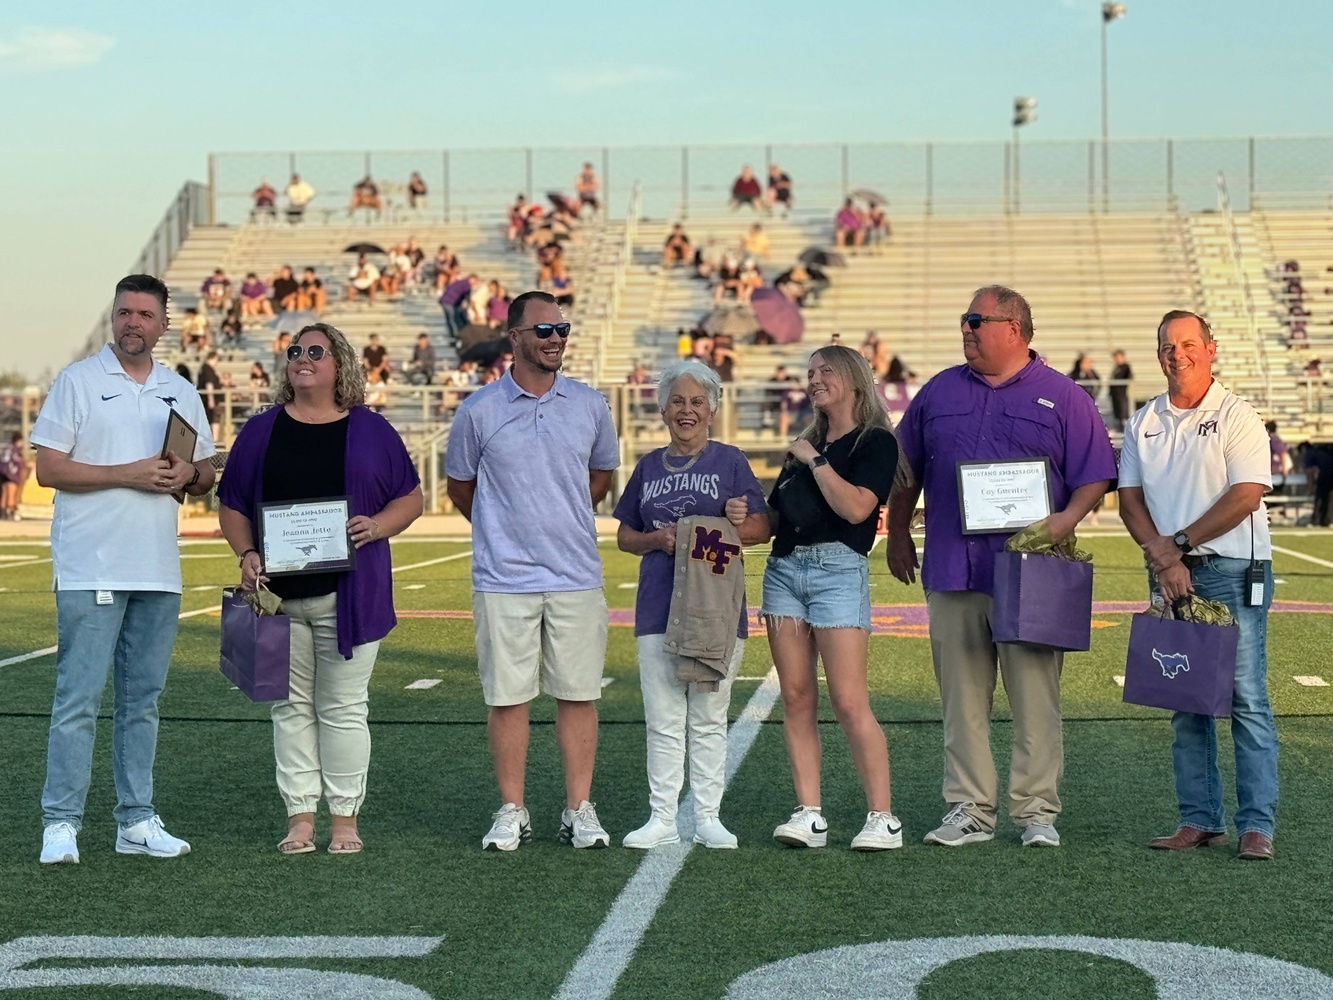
x=1110, y=12
x=1025, y=112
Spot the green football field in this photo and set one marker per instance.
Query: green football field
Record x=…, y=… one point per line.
x=423, y=911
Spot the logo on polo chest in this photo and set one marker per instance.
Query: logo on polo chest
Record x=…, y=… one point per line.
x=709, y=547
x=1207, y=427
x=169, y=400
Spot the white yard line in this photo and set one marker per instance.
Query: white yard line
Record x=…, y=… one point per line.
x=1301, y=555
x=433, y=562
x=608, y=954
x=26, y=562
x=38, y=653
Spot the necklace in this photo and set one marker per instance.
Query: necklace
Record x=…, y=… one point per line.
x=689, y=462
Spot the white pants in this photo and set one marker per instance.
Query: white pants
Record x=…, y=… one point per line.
x=668, y=706
x=320, y=738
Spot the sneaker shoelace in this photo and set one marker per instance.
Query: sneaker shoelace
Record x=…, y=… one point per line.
x=958, y=815
x=63, y=831
x=587, y=815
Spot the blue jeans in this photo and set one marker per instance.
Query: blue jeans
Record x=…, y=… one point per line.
x=133, y=635
x=825, y=585
x=1253, y=731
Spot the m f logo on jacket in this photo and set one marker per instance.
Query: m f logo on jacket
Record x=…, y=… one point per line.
x=709, y=547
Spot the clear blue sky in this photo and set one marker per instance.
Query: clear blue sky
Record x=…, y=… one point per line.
x=109, y=108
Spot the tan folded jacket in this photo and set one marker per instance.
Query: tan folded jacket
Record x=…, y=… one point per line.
x=708, y=592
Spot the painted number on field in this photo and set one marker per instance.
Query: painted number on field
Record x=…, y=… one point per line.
x=892, y=970
x=224, y=979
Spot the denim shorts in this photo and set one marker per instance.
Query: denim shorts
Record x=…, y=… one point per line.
x=825, y=586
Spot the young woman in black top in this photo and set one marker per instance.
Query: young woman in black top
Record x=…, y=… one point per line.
x=817, y=588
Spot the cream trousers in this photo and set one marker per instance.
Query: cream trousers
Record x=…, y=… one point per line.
x=320, y=738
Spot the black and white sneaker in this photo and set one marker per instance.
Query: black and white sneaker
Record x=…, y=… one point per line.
x=959, y=828
x=882, y=832
x=581, y=828
x=806, y=828
x=510, y=830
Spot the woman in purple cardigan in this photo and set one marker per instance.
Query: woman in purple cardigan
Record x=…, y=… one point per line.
x=319, y=440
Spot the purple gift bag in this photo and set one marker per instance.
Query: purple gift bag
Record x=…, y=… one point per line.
x=1181, y=665
x=256, y=651
x=1042, y=599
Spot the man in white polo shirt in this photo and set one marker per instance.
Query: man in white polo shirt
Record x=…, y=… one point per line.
x=1193, y=473
x=117, y=566
x=529, y=457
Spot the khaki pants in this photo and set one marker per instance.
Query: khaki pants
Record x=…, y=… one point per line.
x=965, y=659
x=320, y=737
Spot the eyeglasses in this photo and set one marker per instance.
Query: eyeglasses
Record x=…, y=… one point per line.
x=973, y=321
x=315, y=352
x=544, y=330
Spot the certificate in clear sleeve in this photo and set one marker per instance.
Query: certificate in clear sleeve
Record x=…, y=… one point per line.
x=1002, y=496
x=306, y=536
x=180, y=440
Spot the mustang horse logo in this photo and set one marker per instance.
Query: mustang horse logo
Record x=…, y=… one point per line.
x=708, y=546
x=1171, y=663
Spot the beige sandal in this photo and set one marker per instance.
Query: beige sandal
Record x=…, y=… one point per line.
x=345, y=842
x=294, y=843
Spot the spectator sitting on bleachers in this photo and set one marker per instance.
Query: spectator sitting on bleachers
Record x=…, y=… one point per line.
x=376, y=395
x=804, y=285
x=876, y=224
x=194, y=331
x=478, y=303
x=444, y=267
x=723, y=361
x=586, y=185
x=755, y=242
x=312, y=296
x=728, y=278
x=254, y=298
x=898, y=372
x=375, y=358
x=365, y=195
x=362, y=279
x=708, y=259
x=746, y=190
x=677, y=248
x=421, y=370
x=502, y=362
x=299, y=195
x=684, y=343
x=644, y=402
x=497, y=306
x=779, y=189
x=416, y=190
x=231, y=328
x=396, y=269
x=266, y=200
x=522, y=219
x=286, y=290
x=216, y=291
x=259, y=378
x=416, y=259
x=561, y=285
x=279, y=349
x=848, y=225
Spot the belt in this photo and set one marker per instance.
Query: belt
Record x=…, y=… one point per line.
x=1192, y=562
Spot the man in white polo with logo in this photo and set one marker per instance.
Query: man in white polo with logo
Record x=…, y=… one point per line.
x=117, y=565
x=1193, y=473
x=529, y=457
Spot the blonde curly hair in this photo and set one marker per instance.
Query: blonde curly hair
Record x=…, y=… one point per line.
x=349, y=385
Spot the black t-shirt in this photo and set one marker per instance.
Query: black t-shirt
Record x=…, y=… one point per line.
x=871, y=464
x=282, y=287
x=305, y=462
x=374, y=355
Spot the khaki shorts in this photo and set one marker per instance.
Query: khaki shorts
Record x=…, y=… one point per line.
x=559, y=638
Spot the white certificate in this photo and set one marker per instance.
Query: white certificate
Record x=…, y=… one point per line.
x=308, y=536
x=1001, y=497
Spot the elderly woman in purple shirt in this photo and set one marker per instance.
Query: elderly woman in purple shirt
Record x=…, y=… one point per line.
x=317, y=441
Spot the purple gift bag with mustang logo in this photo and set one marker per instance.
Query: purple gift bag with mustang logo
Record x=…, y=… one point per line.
x=256, y=650
x=1182, y=665
x=1042, y=599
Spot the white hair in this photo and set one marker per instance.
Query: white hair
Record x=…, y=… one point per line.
x=689, y=368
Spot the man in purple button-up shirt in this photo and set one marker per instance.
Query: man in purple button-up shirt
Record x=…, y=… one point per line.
x=1003, y=404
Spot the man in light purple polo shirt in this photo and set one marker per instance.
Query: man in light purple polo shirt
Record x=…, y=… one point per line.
x=1003, y=404
x=529, y=457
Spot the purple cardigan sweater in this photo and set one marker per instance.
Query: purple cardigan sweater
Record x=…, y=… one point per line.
x=378, y=470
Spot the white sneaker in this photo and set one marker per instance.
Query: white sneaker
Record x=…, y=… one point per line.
x=1040, y=835
x=710, y=832
x=60, y=844
x=806, y=828
x=510, y=829
x=959, y=828
x=150, y=837
x=580, y=827
x=882, y=832
x=657, y=832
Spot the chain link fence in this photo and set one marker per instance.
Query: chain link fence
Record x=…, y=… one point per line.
x=677, y=181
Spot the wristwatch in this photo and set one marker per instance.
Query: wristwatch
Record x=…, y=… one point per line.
x=817, y=461
x=1182, y=541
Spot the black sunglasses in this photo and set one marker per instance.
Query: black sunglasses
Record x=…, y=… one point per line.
x=973, y=321
x=315, y=352
x=544, y=330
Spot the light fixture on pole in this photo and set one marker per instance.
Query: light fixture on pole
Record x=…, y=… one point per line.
x=1025, y=112
x=1110, y=12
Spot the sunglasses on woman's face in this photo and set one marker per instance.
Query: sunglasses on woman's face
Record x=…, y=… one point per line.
x=544, y=330
x=973, y=321
x=315, y=352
